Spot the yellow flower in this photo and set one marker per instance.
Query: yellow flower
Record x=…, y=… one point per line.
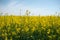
x=18, y=29
x=3, y=34
x=33, y=29
x=13, y=33
x=48, y=32
x=26, y=29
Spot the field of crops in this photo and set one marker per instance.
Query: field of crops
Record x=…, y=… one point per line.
x=29, y=28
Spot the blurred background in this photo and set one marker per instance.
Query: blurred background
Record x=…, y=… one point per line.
x=36, y=7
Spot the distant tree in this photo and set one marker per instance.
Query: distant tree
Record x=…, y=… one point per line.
x=59, y=14
x=1, y=13
x=27, y=12
x=6, y=14
x=20, y=12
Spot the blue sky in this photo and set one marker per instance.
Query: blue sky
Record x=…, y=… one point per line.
x=36, y=7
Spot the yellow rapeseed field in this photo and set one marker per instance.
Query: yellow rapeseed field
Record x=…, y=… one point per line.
x=29, y=28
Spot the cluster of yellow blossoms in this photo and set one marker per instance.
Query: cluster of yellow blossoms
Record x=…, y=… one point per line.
x=29, y=28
